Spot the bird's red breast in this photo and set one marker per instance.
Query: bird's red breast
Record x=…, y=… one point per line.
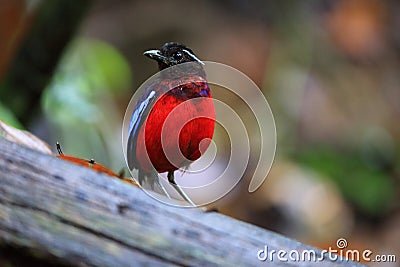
x=180, y=118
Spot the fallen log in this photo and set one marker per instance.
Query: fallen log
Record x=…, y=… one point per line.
x=53, y=212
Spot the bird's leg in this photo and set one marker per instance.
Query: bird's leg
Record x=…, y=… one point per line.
x=171, y=180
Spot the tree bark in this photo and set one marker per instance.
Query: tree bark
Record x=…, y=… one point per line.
x=56, y=212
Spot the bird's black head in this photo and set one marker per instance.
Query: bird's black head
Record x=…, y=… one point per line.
x=172, y=54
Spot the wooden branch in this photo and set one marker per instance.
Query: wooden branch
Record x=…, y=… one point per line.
x=58, y=212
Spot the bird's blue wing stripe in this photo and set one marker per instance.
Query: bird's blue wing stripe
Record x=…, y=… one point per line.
x=138, y=118
x=139, y=111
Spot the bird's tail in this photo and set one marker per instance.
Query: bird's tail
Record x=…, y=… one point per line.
x=152, y=179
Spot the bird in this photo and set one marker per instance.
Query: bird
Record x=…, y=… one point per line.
x=179, y=101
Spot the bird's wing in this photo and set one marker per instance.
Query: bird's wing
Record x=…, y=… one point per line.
x=139, y=116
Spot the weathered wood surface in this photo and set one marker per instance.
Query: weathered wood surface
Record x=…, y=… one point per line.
x=56, y=210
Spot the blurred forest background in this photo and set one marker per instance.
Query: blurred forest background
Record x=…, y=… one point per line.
x=329, y=69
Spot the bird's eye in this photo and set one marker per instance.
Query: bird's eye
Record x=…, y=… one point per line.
x=178, y=56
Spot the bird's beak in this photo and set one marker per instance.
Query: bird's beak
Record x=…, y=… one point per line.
x=156, y=55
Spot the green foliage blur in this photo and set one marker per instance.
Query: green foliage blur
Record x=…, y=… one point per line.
x=8, y=117
x=80, y=100
x=375, y=191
